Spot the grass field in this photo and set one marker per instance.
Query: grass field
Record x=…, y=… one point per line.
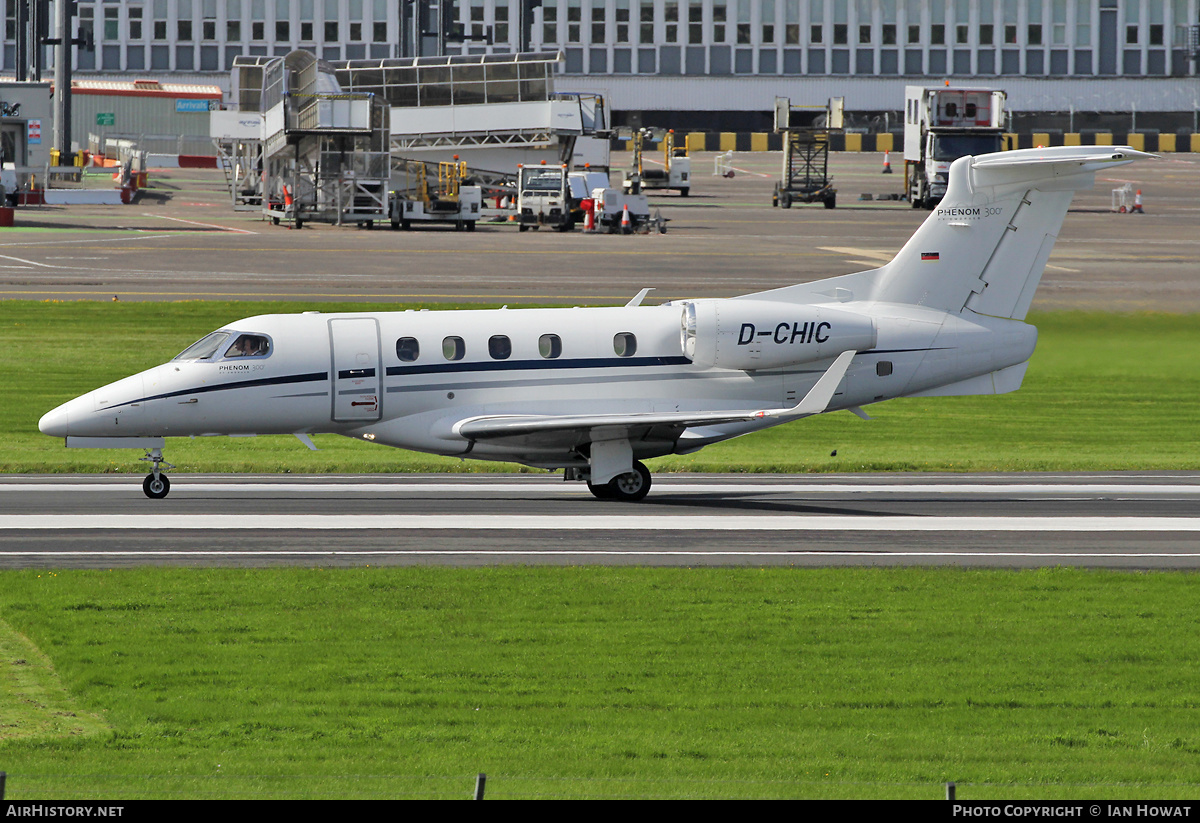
x=1104, y=391
x=594, y=682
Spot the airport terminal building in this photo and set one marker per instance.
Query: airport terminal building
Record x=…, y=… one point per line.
x=711, y=64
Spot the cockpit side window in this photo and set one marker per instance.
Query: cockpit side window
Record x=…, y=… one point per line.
x=205, y=347
x=249, y=345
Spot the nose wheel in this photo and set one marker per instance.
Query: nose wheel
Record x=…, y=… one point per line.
x=156, y=485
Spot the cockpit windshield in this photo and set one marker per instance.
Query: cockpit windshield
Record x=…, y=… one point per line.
x=204, y=348
x=250, y=345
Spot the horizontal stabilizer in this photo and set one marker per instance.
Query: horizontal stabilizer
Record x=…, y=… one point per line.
x=1061, y=168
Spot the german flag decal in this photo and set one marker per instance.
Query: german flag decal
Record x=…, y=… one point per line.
x=929, y=255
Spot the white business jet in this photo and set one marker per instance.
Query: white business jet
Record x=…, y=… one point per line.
x=595, y=391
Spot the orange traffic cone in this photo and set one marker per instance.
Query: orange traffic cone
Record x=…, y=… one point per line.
x=589, y=220
x=887, y=165
x=1137, y=203
x=287, y=196
x=626, y=226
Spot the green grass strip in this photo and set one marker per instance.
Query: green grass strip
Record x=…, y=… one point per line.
x=34, y=706
x=614, y=682
x=1104, y=392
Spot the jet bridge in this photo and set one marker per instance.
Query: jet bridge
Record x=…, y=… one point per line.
x=324, y=150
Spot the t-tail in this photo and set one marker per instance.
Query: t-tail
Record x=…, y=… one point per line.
x=955, y=297
x=984, y=248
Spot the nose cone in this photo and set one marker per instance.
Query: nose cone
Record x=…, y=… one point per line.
x=56, y=423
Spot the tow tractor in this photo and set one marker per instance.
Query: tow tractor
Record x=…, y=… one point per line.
x=453, y=200
x=676, y=172
x=806, y=131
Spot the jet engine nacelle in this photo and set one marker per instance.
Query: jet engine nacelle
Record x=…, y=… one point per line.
x=757, y=334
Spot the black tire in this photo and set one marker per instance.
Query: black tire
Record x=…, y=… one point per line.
x=831, y=201
x=156, y=489
x=601, y=492
x=470, y=225
x=631, y=487
x=683, y=192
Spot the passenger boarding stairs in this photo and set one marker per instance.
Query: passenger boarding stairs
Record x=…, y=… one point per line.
x=325, y=151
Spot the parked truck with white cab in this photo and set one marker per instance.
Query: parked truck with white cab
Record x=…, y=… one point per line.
x=557, y=198
x=942, y=124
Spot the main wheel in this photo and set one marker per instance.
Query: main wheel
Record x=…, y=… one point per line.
x=156, y=488
x=631, y=487
x=600, y=492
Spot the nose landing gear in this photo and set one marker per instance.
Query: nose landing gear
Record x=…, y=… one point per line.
x=156, y=485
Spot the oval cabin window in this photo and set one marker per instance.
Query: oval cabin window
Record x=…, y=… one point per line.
x=625, y=344
x=453, y=348
x=499, y=347
x=550, y=346
x=408, y=349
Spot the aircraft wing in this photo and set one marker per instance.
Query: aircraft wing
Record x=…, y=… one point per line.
x=483, y=427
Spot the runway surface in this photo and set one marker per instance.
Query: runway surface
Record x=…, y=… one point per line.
x=1125, y=520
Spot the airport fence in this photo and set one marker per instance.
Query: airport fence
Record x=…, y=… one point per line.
x=743, y=141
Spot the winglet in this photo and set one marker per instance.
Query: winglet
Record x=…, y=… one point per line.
x=638, y=298
x=818, y=397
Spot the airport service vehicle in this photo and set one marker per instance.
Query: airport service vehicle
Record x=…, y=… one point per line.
x=613, y=208
x=544, y=198
x=595, y=391
x=555, y=197
x=452, y=200
x=942, y=124
x=676, y=171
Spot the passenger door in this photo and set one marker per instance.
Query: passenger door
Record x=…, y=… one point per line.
x=357, y=384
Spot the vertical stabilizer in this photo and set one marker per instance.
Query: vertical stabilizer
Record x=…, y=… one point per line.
x=985, y=246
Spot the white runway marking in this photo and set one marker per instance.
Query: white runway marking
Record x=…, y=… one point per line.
x=551, y=524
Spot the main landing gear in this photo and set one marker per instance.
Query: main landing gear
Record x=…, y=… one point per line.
x=627, y=488
x=156, y=485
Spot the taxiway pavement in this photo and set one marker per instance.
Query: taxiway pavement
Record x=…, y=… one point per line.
x=183, y=241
